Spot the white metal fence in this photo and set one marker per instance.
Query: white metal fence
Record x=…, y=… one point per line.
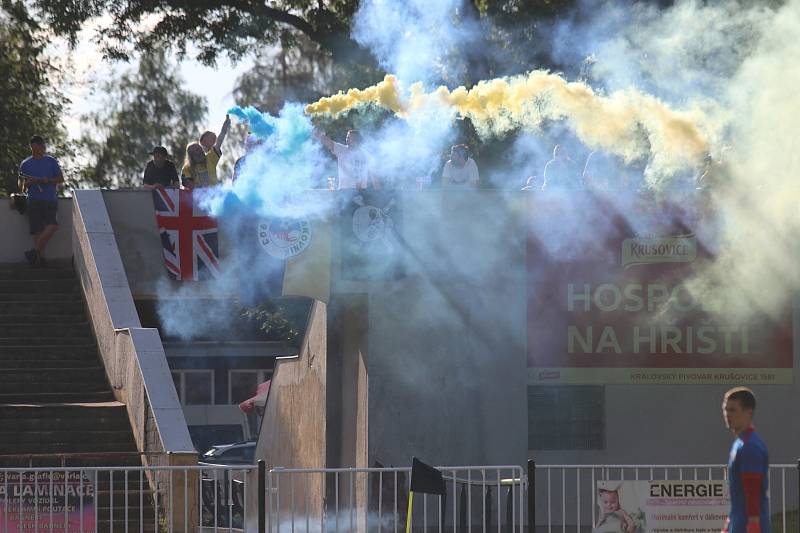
x=564, y=497
x=478, y=498
x=123, y=499
x=206, y=498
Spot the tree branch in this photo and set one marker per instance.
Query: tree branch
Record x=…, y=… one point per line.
x=272, y=13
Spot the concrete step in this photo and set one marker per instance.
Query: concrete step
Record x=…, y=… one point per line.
x=19, y=295
x=45, y=286
x=43, y=318
x=39, y=397
x=22, y=342
x=80, y=446
x=78, y=377
x=27, y=418
x=45, y=307
x=25, y=272
x=56, y=352
x=71, y=460
x=27, y=364
x=76, y=438
x=78, y=329
x=90, y=410
x=51, y=384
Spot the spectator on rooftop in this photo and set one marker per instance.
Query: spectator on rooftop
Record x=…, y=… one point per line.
x=160, y=172
x=599, y=171
x=460, y=170
x=202, y=171
x=561, y=172
x=531, y=185
x=251, y=142
x=195, y=172
x=355, y=167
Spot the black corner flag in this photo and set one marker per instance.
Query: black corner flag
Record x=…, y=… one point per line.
x=426, y=479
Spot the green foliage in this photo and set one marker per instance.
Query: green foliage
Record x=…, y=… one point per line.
x=232, y=27
x=30, y=102
x=298, y=70
x=275, y=318
x=143, y=108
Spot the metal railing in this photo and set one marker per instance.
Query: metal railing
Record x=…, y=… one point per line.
x=564, y=497
x=478, y=498
x=122, y=499
x=212, y=498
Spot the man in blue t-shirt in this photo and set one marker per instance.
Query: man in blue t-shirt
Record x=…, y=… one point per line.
x=41, y=174
x=748, y=466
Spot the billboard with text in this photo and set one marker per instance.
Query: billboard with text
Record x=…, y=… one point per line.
x=608, y=300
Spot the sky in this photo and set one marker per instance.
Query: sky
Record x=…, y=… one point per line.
x=91, y=70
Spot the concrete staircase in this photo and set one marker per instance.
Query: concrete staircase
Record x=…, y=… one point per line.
x=56, y=405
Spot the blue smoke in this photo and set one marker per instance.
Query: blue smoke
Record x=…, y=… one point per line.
x=261, y=124
x=284, y=164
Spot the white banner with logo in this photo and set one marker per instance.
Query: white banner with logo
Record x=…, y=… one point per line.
x=661, y=506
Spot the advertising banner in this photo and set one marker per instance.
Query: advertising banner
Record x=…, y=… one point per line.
x=661, y=506
x=46, y=502
x=611, y=299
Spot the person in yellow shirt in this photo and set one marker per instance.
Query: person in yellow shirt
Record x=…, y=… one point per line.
x=200, y=166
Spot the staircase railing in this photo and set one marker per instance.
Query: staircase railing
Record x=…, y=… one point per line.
x=133, y=356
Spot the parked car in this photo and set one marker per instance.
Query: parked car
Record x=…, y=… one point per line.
x=240, y=453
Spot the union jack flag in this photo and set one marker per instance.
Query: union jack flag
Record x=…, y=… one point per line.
x=188, y=236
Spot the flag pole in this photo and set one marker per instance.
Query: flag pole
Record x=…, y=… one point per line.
x=408, y=515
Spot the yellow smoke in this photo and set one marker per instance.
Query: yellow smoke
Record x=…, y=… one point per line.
x=627, y=123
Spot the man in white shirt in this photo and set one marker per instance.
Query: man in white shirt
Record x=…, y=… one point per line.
x=460, y=170
x=354, y=165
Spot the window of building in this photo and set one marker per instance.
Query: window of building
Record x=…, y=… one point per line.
x=242, y=384
x=566, y=418
x=194, y=387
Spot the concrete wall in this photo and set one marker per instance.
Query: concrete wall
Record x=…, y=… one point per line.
x=442, y=348
x=294, y=422
x=348, y=378
x=17, y=239
x=133, y=356
x=293, y=428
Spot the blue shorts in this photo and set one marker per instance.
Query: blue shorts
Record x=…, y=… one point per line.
x=41, y=214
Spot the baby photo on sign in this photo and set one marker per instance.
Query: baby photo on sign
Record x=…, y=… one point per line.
x=619, y=509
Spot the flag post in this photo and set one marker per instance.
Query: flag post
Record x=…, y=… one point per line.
x=531, y=495
x=408, y=514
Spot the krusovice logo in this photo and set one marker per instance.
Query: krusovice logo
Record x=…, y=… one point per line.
x=652, y=250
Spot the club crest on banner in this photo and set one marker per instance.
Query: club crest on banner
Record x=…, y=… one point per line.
x=372, y=223
x=284, y=238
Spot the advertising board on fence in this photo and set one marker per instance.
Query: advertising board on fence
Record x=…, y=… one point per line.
x=46, y=502
x=661, y=506
x=612, y=299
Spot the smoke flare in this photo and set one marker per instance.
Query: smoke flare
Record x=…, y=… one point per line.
x=628, y=123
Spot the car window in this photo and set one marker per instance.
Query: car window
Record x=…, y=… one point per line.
x=249, y=453
x=233, y=454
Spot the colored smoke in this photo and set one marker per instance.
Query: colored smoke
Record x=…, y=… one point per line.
x=659, y=89
x=630, y=124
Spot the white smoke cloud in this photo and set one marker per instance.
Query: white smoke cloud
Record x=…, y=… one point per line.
x=757, y=267
x=417, y=40
x=737, y=63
